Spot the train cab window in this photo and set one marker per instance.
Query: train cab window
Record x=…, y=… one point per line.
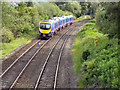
x=48, y=26
x=45, y=26
x=66, y=20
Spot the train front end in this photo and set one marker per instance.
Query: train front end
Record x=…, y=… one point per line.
x=45, y=29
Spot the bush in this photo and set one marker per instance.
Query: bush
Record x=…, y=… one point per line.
x=7, y=35
x=107, y=19
x=83, y=17
x=96, y=65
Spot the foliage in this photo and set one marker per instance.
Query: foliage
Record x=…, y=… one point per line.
x=78, y=9
x=83, y=17
x=95, y=65
x=29, y=3
x=107, y=18
x=5, y=48
x=7, y=35
x=73, y=7
x=52, y=9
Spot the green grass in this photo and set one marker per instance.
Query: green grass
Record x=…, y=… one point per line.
x=5, y=48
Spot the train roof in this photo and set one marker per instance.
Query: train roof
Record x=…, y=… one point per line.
x=55, y=19
x=49, y=20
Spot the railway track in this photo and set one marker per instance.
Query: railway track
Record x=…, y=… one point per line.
x=21, y=62
x=43, y=73
x=36, y=51
x=15, y=81
x=18, y=59
x=47, y=59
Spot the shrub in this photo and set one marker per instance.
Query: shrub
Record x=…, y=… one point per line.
x=7, y=35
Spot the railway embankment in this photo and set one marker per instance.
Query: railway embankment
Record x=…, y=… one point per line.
x=95, y=57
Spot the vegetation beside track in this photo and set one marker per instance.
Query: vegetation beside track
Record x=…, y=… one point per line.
x=96, y=65
x=82, y=18
x=96, y=49
x=5, y=48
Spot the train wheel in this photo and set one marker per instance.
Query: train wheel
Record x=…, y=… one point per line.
x=55, y=32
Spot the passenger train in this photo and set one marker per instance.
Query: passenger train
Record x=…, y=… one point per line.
x=48, y=27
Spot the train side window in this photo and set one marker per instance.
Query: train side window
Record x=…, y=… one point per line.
x=67, y=20
x=55, y=25
x=59, y=23
x=63, y=21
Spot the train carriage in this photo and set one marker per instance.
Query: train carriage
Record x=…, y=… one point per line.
x=48, y=27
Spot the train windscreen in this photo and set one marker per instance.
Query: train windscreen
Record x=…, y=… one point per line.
x=45, y=26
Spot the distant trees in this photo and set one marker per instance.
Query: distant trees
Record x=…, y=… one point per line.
x=9, y=18
x=107, y=18
x=73, y=7
x=78, y=9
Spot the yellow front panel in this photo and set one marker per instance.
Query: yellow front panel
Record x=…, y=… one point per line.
x=44, y=31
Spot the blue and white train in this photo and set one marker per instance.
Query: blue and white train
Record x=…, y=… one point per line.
x=48, y=27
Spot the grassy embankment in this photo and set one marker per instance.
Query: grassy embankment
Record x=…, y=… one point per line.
x=5, y=48
x=25, y=38
x=95, y=65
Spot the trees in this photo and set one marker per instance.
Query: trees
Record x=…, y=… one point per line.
x=25, y=17
x=73, y=7
x=51, y=9
x=9, y=16
x=107, y=18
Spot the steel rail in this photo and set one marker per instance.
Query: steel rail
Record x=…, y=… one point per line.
x=16, y=60
x=15, y=81
x=57, y=69
x=43, y=68
x=59, y=58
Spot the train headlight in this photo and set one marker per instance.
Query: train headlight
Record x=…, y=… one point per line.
x=40, y=31
x=49, y=32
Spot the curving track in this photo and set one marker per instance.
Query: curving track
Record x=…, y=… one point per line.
x=38, y=66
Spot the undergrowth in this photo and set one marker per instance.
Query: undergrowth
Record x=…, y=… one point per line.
x=82, y=18
x=96, y=65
